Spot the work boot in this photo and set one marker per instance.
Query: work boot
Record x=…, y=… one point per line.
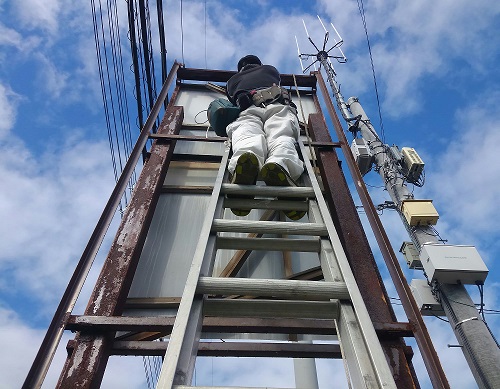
x=245, y=173
x=275, y=175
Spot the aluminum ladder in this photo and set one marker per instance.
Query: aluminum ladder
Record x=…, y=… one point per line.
x=337, y=296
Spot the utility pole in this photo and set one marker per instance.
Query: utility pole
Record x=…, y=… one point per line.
x=479, y=346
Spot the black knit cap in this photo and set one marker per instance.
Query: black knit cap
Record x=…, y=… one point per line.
x=248, y=59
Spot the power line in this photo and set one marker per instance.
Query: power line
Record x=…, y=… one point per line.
x=182, y=37
x=362, y=14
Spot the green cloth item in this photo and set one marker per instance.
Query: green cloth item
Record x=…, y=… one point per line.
x=221, y=112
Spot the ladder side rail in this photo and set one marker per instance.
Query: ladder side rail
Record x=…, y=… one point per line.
x=360, y=370
x=190, y=310
x=377, y=356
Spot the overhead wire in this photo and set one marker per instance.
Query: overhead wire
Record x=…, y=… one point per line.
x=182, y=35
x=363, y=19
x=107, y=44
x=206, y=63
x=126, y=136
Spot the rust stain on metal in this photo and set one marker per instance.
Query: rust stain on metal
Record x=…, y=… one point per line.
x=108, y=298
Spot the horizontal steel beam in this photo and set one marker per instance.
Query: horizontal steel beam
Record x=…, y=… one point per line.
x=225, y=75
x=227, y=325
x=234, y=349
x=168, y=137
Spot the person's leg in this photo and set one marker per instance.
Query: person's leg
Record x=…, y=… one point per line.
x=282, y=130
x=283, y=165
x=249, y=148
x=247, y=135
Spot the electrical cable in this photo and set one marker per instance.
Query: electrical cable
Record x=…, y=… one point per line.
x=362, y=14
x=206, y=63
x=100, y=53
x=182, y=37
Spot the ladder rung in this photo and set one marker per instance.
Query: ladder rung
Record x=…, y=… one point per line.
x=278, y=205
x=265, y=227
x=272, y=308
x=268, y=191
x=285, y=289
x=270, y=244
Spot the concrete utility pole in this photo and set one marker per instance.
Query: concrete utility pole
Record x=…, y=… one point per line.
x=478, y=345
x=480, y=348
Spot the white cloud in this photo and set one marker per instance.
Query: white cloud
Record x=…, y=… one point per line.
x=39, y=14
x=411, y=41
x=11, y=37
x=20, y=343
x=464, y=175
x=48, y=206
x=8, y=109
x=52, y=79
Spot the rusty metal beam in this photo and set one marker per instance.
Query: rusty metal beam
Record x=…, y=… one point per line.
x=167, y=137
x=429, y=355
x=235, y=349
x=356, y=246
x=42, y=361
x=189, y=74
x=96, y=324
x=112, y=286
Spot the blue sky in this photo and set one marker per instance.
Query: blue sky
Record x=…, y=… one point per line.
x=439, y=86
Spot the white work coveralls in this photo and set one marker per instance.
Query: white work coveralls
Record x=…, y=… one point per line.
x=270, y=133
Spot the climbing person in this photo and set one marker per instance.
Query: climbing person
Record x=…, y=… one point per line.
x=263, y=136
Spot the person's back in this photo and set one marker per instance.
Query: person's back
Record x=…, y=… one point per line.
x=251, y=77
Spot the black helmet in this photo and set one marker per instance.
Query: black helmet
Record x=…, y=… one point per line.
x=248, y=59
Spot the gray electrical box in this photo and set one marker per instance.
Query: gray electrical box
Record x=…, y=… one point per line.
x=425, y=300
x=411, y=255
x=362, y=154
x=451, y=264
x=413, y=166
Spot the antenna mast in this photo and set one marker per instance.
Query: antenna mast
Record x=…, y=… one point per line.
x=324, y=58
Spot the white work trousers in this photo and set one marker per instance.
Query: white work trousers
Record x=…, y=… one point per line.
x=270, y=133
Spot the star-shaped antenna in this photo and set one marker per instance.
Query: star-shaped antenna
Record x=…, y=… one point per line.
x=323, y=56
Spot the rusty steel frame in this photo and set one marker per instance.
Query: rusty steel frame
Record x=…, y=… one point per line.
x=164, y=324
x=47, y=349
x=85, y=367
x=98, y=343
x=422, y=337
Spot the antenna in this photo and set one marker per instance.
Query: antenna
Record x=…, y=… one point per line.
x=324, y=57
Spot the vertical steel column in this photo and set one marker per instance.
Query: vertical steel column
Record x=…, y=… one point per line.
x=86, y=364
x=429, y=355
x=364, y=267
x=50, y=342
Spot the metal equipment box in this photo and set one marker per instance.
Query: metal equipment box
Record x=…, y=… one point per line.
x=452, y=264
x=411, y=255
x=362, y=154
x=425, y=300
x=419, y=212
x=413, y=166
